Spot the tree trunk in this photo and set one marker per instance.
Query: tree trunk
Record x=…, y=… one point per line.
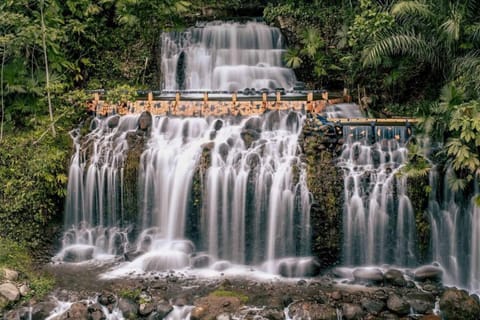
x=47, y=75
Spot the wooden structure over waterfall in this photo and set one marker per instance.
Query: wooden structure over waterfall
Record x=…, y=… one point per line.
x=205, y=104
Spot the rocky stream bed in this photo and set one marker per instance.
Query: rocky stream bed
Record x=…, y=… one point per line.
x=362, y=293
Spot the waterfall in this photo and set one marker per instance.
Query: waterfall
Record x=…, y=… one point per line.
x=226, y=57
x=379, y=222
x=474, y=274
x=255, y=203
x=455, y=223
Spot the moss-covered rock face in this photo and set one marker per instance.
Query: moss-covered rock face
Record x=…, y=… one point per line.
x=325, y=182
x=136, y=146
x=418, y=193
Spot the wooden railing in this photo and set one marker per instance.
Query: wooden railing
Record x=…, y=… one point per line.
x=204, y=107
x=234, y=105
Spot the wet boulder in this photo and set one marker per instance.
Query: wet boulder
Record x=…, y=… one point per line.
x=128, y=308
x=9, y=291
x=132, y=255
x=421, y=302
x=164, y=260
x=395, y=278
x=198, y=313
x=312, y=310
x=430, y=272
x=107, y=299
x=352, y=311
x=146, y=308
x=163, y=308
x=145, y=121
x=202, y=261
x=221, y=265
x=458, y=304
x=223, y=150
x=218, y=124
x=342, y=273
x=78, y=310
x=95, y=312
x=373, y=306
x=113, y=121
x=78, y=253
x=249, y=136
x=271, y=314
x=253, y=160
x=253, y=123
x=370, y=275
x=18, y=314
x=42, y=310
x=398, y=305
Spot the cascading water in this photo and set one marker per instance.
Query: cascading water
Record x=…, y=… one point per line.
x=255, y=200
x=94, y=197
x=455, y=223
x=252, y=189
x=379, y=224
x=225, y=56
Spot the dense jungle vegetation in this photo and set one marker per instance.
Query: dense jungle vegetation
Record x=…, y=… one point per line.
x=417, y=58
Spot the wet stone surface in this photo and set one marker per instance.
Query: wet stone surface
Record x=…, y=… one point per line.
x=155, y=295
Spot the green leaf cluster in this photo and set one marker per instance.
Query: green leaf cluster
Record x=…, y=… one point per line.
x=315, y=49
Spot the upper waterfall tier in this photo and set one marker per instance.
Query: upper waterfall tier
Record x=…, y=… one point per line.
x=226, y=57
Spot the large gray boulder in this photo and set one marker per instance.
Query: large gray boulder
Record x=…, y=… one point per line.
x=429, y=272
x=395, y=278
x=8, y=274
x=374, y=275
x=9, y=291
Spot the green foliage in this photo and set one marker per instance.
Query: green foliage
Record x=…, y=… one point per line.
x=372, y=21
x=292, y=58
x=17, y=257
x=455, y=122
x=132, y=294
x=33, y=173
x=227, y=293
x=439, y=37
x=120, y=94
x=417, y=165
x=13, y=255
x=313, y=41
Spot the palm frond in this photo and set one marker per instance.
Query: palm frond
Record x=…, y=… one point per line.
x=468, y=68
x=407, y=44
x=450, y=96
x=407, y=9
x=452, y=26
x=292, y=58
x=475, y=32
x=312, y=41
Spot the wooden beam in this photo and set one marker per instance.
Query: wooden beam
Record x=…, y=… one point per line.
x=369, y=121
